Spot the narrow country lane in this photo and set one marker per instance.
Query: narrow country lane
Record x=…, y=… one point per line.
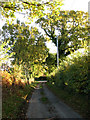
x=44, y=104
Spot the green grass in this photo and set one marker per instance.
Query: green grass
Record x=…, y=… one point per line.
x=11, y=106
x=15, y=100
x=41, y=86
x=78, y=102
x=44, y=100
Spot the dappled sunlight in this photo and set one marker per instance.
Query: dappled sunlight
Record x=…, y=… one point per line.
x=37, y=88
x=32, y=46
x=73, y=73
x=70, y=83
x=15, y=96
x=25, y=97
x=6, y=78
x=79, y=52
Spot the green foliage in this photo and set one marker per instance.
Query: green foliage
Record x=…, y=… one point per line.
x=15, y=99
x=73, y=73
x=72, y=28
x=29, y=47
x=76, y=75
x=28, y=43
x=51, y=62
x=4, y=51
x=34, y=9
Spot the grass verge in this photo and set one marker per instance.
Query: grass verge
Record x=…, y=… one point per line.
x=43, y=99
x=15, y=101
x=78, y=102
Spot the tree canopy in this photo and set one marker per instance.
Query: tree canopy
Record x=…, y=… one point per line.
x=72, y=28
x=28, y=44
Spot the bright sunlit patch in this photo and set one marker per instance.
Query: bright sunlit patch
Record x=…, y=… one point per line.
x=80, y=5
x=24, y=97
x=66, y=83
x=52, y=83
x=81, y=52
x=51, y=46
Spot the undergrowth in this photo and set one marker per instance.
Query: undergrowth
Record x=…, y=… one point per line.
x=15, y=98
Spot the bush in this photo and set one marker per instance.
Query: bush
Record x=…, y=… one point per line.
x=73, y=74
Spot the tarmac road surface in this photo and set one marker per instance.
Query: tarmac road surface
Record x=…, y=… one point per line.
x=44, y=104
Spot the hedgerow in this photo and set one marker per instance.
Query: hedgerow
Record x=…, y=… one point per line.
x=73, y=73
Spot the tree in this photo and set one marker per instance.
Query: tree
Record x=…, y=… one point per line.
x=3, y=51
x=33, y=9
x=72, y=29
x=51, y=62
x=29, y=47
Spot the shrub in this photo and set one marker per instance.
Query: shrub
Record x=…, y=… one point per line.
x=73, y=74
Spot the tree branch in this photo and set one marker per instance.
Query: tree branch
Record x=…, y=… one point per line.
x=46, y=32
x=34, y=4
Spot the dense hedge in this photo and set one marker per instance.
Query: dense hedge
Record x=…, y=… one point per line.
x=73, y=73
